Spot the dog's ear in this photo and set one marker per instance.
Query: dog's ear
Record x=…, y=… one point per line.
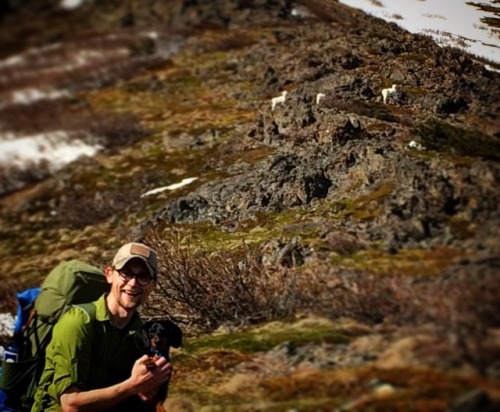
x=174, y=334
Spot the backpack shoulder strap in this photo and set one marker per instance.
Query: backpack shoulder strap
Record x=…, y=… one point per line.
x=88, y=308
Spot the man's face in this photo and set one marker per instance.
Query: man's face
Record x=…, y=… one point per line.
x=131, y=285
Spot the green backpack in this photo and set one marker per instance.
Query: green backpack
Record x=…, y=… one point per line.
x=70, y=283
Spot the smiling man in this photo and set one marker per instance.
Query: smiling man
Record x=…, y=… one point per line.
x=92, y=362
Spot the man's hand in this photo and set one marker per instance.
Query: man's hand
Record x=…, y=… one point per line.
x=143, y=382
x=148, y=374
x=151, y=394
x=150, y=362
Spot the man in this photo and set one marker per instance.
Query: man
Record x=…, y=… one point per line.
x=92, y=362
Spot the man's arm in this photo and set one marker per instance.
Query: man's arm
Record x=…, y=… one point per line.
x=141, y=380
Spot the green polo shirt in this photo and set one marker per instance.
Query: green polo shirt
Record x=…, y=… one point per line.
x=90, y=354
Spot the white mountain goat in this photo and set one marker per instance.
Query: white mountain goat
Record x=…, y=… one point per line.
x=279, y=99
x=388, y=92
x=319, y=96
x=415, y=145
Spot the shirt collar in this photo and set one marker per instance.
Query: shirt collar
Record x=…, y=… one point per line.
x=102, y=314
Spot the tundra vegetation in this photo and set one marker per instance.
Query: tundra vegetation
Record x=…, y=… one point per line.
x=317, y=262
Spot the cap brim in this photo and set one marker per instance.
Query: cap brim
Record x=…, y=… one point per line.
x=121, y=264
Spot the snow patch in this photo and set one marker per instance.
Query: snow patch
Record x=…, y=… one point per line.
x=12, y=61
x=28, y=96
x=491, y=68
x=174, y=186
x=449, y=22
x=54, y=149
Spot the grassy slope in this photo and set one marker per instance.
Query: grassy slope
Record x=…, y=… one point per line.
x=223, y=371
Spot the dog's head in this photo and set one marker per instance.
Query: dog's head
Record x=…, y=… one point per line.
x=157, y=336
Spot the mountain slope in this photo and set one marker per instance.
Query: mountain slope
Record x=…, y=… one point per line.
x=308, y=213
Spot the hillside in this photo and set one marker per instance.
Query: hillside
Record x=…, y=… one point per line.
x=333, y=255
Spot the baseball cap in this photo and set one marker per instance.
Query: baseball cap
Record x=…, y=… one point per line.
x=136, y=251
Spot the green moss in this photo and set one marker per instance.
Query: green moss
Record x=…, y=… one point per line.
x=209, y=237
x=302, y=222
x=406, y=262
x=264, y=226
x=364, y=207
x=251, y=341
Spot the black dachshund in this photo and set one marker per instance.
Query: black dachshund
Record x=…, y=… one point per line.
x=155, y=340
